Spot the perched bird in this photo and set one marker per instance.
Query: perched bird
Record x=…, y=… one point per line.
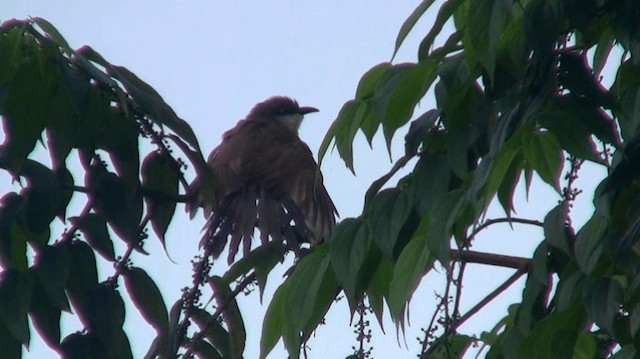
x=265, y=177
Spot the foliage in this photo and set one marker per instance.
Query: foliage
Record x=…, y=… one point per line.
x=519, y=92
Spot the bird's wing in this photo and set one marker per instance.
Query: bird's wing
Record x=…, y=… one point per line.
x=283, y=165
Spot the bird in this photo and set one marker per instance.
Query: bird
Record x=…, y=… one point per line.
x=265, y=177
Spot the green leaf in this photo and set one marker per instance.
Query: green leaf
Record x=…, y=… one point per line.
x=147, y=298
x=486, y=22
x=52, y=33
x=43, y=196
x=106, y=315
x=66, y=180
x=541, y=26
x=231, y=315
x=52, y=266
x=13, y=242
x=350, y=246
x=590, y=243
x=555, y=335
x=10, y=346
x=431, y=179
x=586, y=347
x=24, y=114
x=419, y=127
x=204, y=349
x=303, y=290
x=387, y=214
x=263, y=259
x=152, y=103
x=554, y=226
x=274, y=324
x=45, y=315
x=379, y=287
x=214, y=331
x=94, y=228
x=370, y=80
x=399, y=91
x=79, y=345
x=543, y=153
x=409, y=270
x=445, y=212
x=343, y=130
x=82, y=279
x=15, y=295
x=603, y=297
x=444, y=14
x=117, y=202
x=409, y=23
x=160, y=176
x=454, y=346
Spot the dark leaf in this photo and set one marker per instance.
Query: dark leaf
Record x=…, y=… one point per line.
x=82, y=346
x=160, y=176
x=350, y=245
x=409, y=23
x=387, y=215
x=94, y=229
x=214, y=331
x=603, y=297
x=13, y=242
x=487, y=19
x=555, y=228
x=52, y=266
x=274, y=324
x=10, y=347
x=543, y=153
x=411, y=267
x=147, y=298
x=231, y=316
x=399, y=91
x=45, y=315
x=590, y=243
x=82, y=280
x=43, y=194
x=15, y=295
x=414, y=138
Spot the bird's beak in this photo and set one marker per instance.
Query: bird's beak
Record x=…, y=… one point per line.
x=306, y=110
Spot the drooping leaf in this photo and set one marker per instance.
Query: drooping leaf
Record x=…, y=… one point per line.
x=554, y=228
x=409, y=270
x=52, y=266
x=350, y=245
x=487, y=19
x=603, y=297
x=13, y=242
x=94, y=228
x=231, y=315
x=82, y=280
x=79, y=345
x=15, y=295
x=399, y=91
x=388, y=212
x=409, y=23
x=214, y=331
x=542, y=151
x=160, y=177
x=275, y=321
x=147, y=298
x=45, y=315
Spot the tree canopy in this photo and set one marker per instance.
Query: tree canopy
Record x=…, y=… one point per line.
x=520, y=91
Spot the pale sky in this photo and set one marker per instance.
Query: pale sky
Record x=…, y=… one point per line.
x=212, y=61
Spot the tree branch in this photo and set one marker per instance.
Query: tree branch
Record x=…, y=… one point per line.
x=492, y=259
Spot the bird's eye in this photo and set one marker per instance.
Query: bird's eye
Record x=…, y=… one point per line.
x=282, y=110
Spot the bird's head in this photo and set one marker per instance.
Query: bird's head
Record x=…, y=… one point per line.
x=283, y=109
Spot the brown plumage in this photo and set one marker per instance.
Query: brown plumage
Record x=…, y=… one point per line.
x=266, y=177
